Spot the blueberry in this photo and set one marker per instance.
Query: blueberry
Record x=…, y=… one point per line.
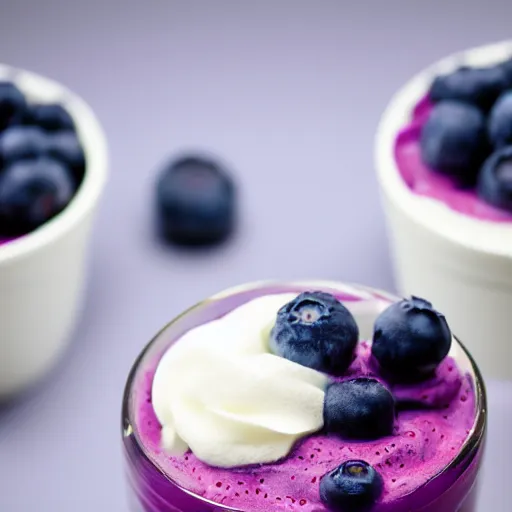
x=410, y=339
x=315, y=330
x=495, y=180
x=32, y=192
x=351, y=487
x=18, y=142
x=478, y=86
x=360, y=408
x=66, y=147
x=507, y=69
x=499, y=123
x=50, y=117
x=12, y=103
x=195, y=201
x=453, y=140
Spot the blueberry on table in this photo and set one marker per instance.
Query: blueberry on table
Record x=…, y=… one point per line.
x=453, y=140
x=315, y=330
x=196, y=201
x=353, y=486
x=495, y=180
x=50, y=117
x=360, y=408
x=410, y=339
x=12, y=103
x=500, y=121
x=477, y=86
x=19, y=142
x=32, y=192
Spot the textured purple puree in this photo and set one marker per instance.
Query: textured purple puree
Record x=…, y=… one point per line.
x=425, y=441
x=426, y=182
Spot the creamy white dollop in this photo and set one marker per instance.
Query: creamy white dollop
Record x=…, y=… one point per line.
x=220, y=392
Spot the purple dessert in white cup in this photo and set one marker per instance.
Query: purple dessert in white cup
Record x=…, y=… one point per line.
x=451, y=238
x=42, y=272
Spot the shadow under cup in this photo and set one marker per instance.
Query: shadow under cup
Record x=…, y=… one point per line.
x=453, y=489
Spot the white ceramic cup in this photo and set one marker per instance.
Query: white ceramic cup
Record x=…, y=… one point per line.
x=42, y=274
x=461, y=263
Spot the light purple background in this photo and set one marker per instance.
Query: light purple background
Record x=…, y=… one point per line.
x=289, y=93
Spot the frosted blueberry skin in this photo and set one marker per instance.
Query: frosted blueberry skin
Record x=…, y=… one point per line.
x=316, y=330
x=31, y=193
x=12, y=103
x=360, y=408
x=410, y=339
x=51, y=117
x=495, y=179
x=476, y=86
x=65, y=147
x=20, y=142
x=352, y=486
x=507, y=69
x=499, y=124
x=42, y=162
x=195, y=202
x=453, y=140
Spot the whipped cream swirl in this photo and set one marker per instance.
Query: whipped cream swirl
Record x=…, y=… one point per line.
x=220, y=392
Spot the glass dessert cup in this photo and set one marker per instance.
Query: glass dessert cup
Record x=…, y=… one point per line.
x=452, y=489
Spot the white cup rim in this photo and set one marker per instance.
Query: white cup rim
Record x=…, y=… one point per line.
x=473, y=234
x=91, y=134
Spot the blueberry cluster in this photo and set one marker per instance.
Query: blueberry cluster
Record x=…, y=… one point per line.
x=42, y=161
x=468, y=134
x=316, y=330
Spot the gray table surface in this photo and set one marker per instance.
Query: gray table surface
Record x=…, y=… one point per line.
x=289, y=93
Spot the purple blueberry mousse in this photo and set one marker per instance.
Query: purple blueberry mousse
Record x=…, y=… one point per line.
x=410, y=429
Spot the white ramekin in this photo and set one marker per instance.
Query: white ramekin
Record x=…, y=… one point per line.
x=42, y=274
x=462, y=264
